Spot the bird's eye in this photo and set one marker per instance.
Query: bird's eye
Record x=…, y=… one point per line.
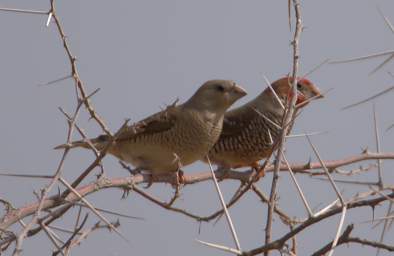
x=299, y=86
x=220, y=88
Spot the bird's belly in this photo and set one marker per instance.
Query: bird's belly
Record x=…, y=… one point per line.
x=168, y=151
x=159, y=158
x=148, y=156
x=240, y=153
x=236, y=160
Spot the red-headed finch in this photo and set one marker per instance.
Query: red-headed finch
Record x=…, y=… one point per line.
x=250, y=131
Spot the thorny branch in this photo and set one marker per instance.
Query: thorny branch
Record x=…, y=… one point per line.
x=345, y=238
x=14, y=214
x=288, y=118
x=279, y=243
x=71, y=123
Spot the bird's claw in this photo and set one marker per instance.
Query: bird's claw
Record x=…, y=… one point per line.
x=224, y=173
x=126, y=192
x=180, y=178
x=151, y=180
x=131, y=170
x=260, y=170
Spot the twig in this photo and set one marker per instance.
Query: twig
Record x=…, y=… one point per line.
x=309, y=211
x=223, y=203
x=92, y=208
x=335, y=241
x=369, y=98
x=113, y=212
x=86, y=232
x=288, y=117
x=56, y=80
x=379, y=162
x=121, y=182
x=74, y=71
x=385, y=225
x=315, y=68
x=388, y=23
x=353, y=182
x=327, y=172
x=52, y=238
x=283, y=216
x=23, y=11
x=67, y=244
x=42, y=200
x=273, y=92
x=345, y=238
x=331, y=245
x=221, y=247
x=301, y=135
x=165, y=205
x=266, y=118
x=328, y=207
x=175, y=197
x=387, y=60
x=362, y=57
x=97, y=160
x=278, y=244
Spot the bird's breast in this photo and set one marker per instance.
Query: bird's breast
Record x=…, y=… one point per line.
x=249, y=144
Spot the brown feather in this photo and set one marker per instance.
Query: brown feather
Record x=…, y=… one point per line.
x=247, y=136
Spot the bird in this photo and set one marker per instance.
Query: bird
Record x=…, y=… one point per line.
x=250, y=131
x=176, y=136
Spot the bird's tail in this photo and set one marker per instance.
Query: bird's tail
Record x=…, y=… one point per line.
x=97, y=143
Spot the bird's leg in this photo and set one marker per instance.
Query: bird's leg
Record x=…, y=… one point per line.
x=258, y=169
x=180, y=178
x=101, y=173
x=151, y=180
x=126, y=192
x=136, y=171
x=224, y=172
x=131, y=171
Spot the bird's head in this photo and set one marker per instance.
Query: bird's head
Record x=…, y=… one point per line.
x=216, y=96
x=306, y=90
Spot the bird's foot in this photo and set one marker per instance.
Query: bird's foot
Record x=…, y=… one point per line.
x=179, y=178
x=260, y=170
x=132, y=171
x=223, y=173
x=126, y=192
x=176, y=181
x=152, y=179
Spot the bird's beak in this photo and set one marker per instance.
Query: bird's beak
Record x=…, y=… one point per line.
x=316, y=91
x=238, y=90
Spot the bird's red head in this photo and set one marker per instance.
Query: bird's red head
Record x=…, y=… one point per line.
x=306, y=90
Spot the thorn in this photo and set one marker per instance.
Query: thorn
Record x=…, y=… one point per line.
x=199, y=227
x=174, y=103
x=49, y=19
x=308, y=165
x=373, y=212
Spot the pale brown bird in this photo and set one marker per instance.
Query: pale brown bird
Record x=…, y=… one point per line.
x=250, y=131
x=176, y=136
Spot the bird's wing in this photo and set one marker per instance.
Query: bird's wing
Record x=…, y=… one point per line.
x=235, y=121
x=156, y=123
